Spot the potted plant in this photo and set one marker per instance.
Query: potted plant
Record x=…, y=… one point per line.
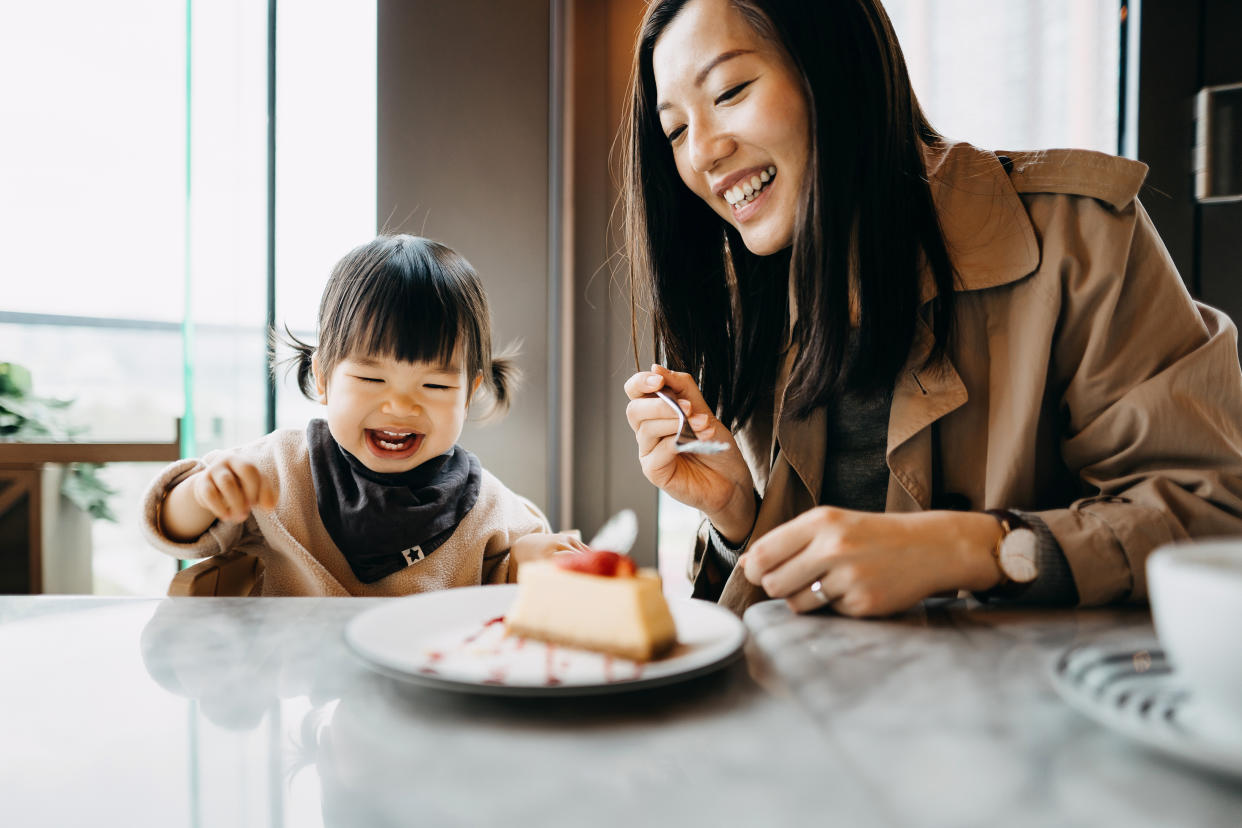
x=28, y=418
x=73, y=493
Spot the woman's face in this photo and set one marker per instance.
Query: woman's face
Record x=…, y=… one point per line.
x=732, y=107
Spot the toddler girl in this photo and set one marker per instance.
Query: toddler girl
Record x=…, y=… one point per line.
x=377, y=498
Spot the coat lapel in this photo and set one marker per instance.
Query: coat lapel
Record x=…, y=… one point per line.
x=991, y=242
x=921, y=395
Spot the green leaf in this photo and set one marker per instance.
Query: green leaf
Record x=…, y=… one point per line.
x=84, y=487
x=23, y=416
x=14, y=380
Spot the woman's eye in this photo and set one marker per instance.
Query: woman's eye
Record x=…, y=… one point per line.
x=675, y=134
x=732, y=92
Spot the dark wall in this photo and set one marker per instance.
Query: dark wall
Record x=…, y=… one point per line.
x=463, y=158
x=1188, y=45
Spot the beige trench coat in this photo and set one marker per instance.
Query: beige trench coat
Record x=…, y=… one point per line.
x=1083, y=384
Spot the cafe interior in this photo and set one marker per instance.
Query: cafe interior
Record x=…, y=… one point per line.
x=199, y=167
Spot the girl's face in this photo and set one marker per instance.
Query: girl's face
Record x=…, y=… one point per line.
x=732, y=106
x=392, y=415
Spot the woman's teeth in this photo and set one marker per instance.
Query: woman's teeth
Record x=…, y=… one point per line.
x=748, y=190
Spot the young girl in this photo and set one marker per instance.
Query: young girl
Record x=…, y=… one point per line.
x=377, y=498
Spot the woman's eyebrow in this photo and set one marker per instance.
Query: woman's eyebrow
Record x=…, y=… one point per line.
x=707, y=70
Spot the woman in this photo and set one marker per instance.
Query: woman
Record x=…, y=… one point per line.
x=893, y=332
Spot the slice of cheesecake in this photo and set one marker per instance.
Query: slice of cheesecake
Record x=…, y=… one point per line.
x=593, y=601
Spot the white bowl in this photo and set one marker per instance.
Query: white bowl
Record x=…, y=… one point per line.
x=1196, y=604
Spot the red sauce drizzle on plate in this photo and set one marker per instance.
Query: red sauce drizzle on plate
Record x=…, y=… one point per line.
x=489, y=622
x=552, y=680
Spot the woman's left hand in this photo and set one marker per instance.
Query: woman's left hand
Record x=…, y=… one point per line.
x=868, y=563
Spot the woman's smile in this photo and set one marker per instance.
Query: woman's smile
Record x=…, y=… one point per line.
x=746, y=198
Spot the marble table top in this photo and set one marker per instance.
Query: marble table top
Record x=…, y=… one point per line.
x=232, y=712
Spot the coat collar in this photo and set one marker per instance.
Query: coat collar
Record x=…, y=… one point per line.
x=986, y=229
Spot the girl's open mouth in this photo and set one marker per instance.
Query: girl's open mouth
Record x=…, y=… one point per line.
x=393, y=445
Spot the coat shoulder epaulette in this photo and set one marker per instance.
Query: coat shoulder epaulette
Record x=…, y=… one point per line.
x=1113, y=180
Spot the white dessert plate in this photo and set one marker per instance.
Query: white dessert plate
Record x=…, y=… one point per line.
x=454, y=640
x=1133, y=690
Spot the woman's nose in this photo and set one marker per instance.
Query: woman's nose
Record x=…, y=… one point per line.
x=708, y=145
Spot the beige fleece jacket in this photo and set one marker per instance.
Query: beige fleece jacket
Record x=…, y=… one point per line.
x=299, y=556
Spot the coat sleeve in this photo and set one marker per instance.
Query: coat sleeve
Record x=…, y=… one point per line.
x=1152, y=407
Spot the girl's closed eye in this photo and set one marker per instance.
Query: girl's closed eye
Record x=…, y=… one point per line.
x=369, y=379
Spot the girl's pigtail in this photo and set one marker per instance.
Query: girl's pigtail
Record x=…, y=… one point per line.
x=300, y=360
x=505, y=378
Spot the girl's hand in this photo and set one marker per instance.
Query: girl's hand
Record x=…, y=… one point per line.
x=719, y=485
x=227, y=489
x=231, y=486
x=540, y=545
x=868, y=563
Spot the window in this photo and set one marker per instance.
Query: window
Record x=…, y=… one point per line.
x=134, y=241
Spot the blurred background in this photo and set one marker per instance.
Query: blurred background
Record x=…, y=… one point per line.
x=177, y=176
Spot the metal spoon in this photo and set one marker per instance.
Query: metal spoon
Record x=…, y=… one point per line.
x=687, y=443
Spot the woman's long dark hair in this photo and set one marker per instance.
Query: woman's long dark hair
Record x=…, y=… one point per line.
x=722, y=313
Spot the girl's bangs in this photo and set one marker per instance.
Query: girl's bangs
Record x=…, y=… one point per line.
x=411, y=321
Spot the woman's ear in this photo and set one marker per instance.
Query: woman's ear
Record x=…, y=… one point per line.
x=321, y=383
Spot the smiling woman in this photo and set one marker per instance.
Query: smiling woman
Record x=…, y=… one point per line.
x=936, y=367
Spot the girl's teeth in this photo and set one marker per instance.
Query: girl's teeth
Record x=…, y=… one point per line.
x=764, y=177
x=398, y=439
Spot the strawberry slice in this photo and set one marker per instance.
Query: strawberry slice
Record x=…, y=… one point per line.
x=598, y=562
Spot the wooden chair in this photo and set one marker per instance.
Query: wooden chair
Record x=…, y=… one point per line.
x=233, y=574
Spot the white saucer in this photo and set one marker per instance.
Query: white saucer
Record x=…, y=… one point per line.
x=1134, y=690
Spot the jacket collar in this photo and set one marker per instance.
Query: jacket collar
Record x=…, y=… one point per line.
x=986, y=229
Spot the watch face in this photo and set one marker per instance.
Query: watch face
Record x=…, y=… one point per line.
x=1017, y=556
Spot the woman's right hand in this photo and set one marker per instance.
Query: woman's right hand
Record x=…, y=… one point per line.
x=719, y=485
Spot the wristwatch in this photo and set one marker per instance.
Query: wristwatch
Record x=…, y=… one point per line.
x=1016, y=552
